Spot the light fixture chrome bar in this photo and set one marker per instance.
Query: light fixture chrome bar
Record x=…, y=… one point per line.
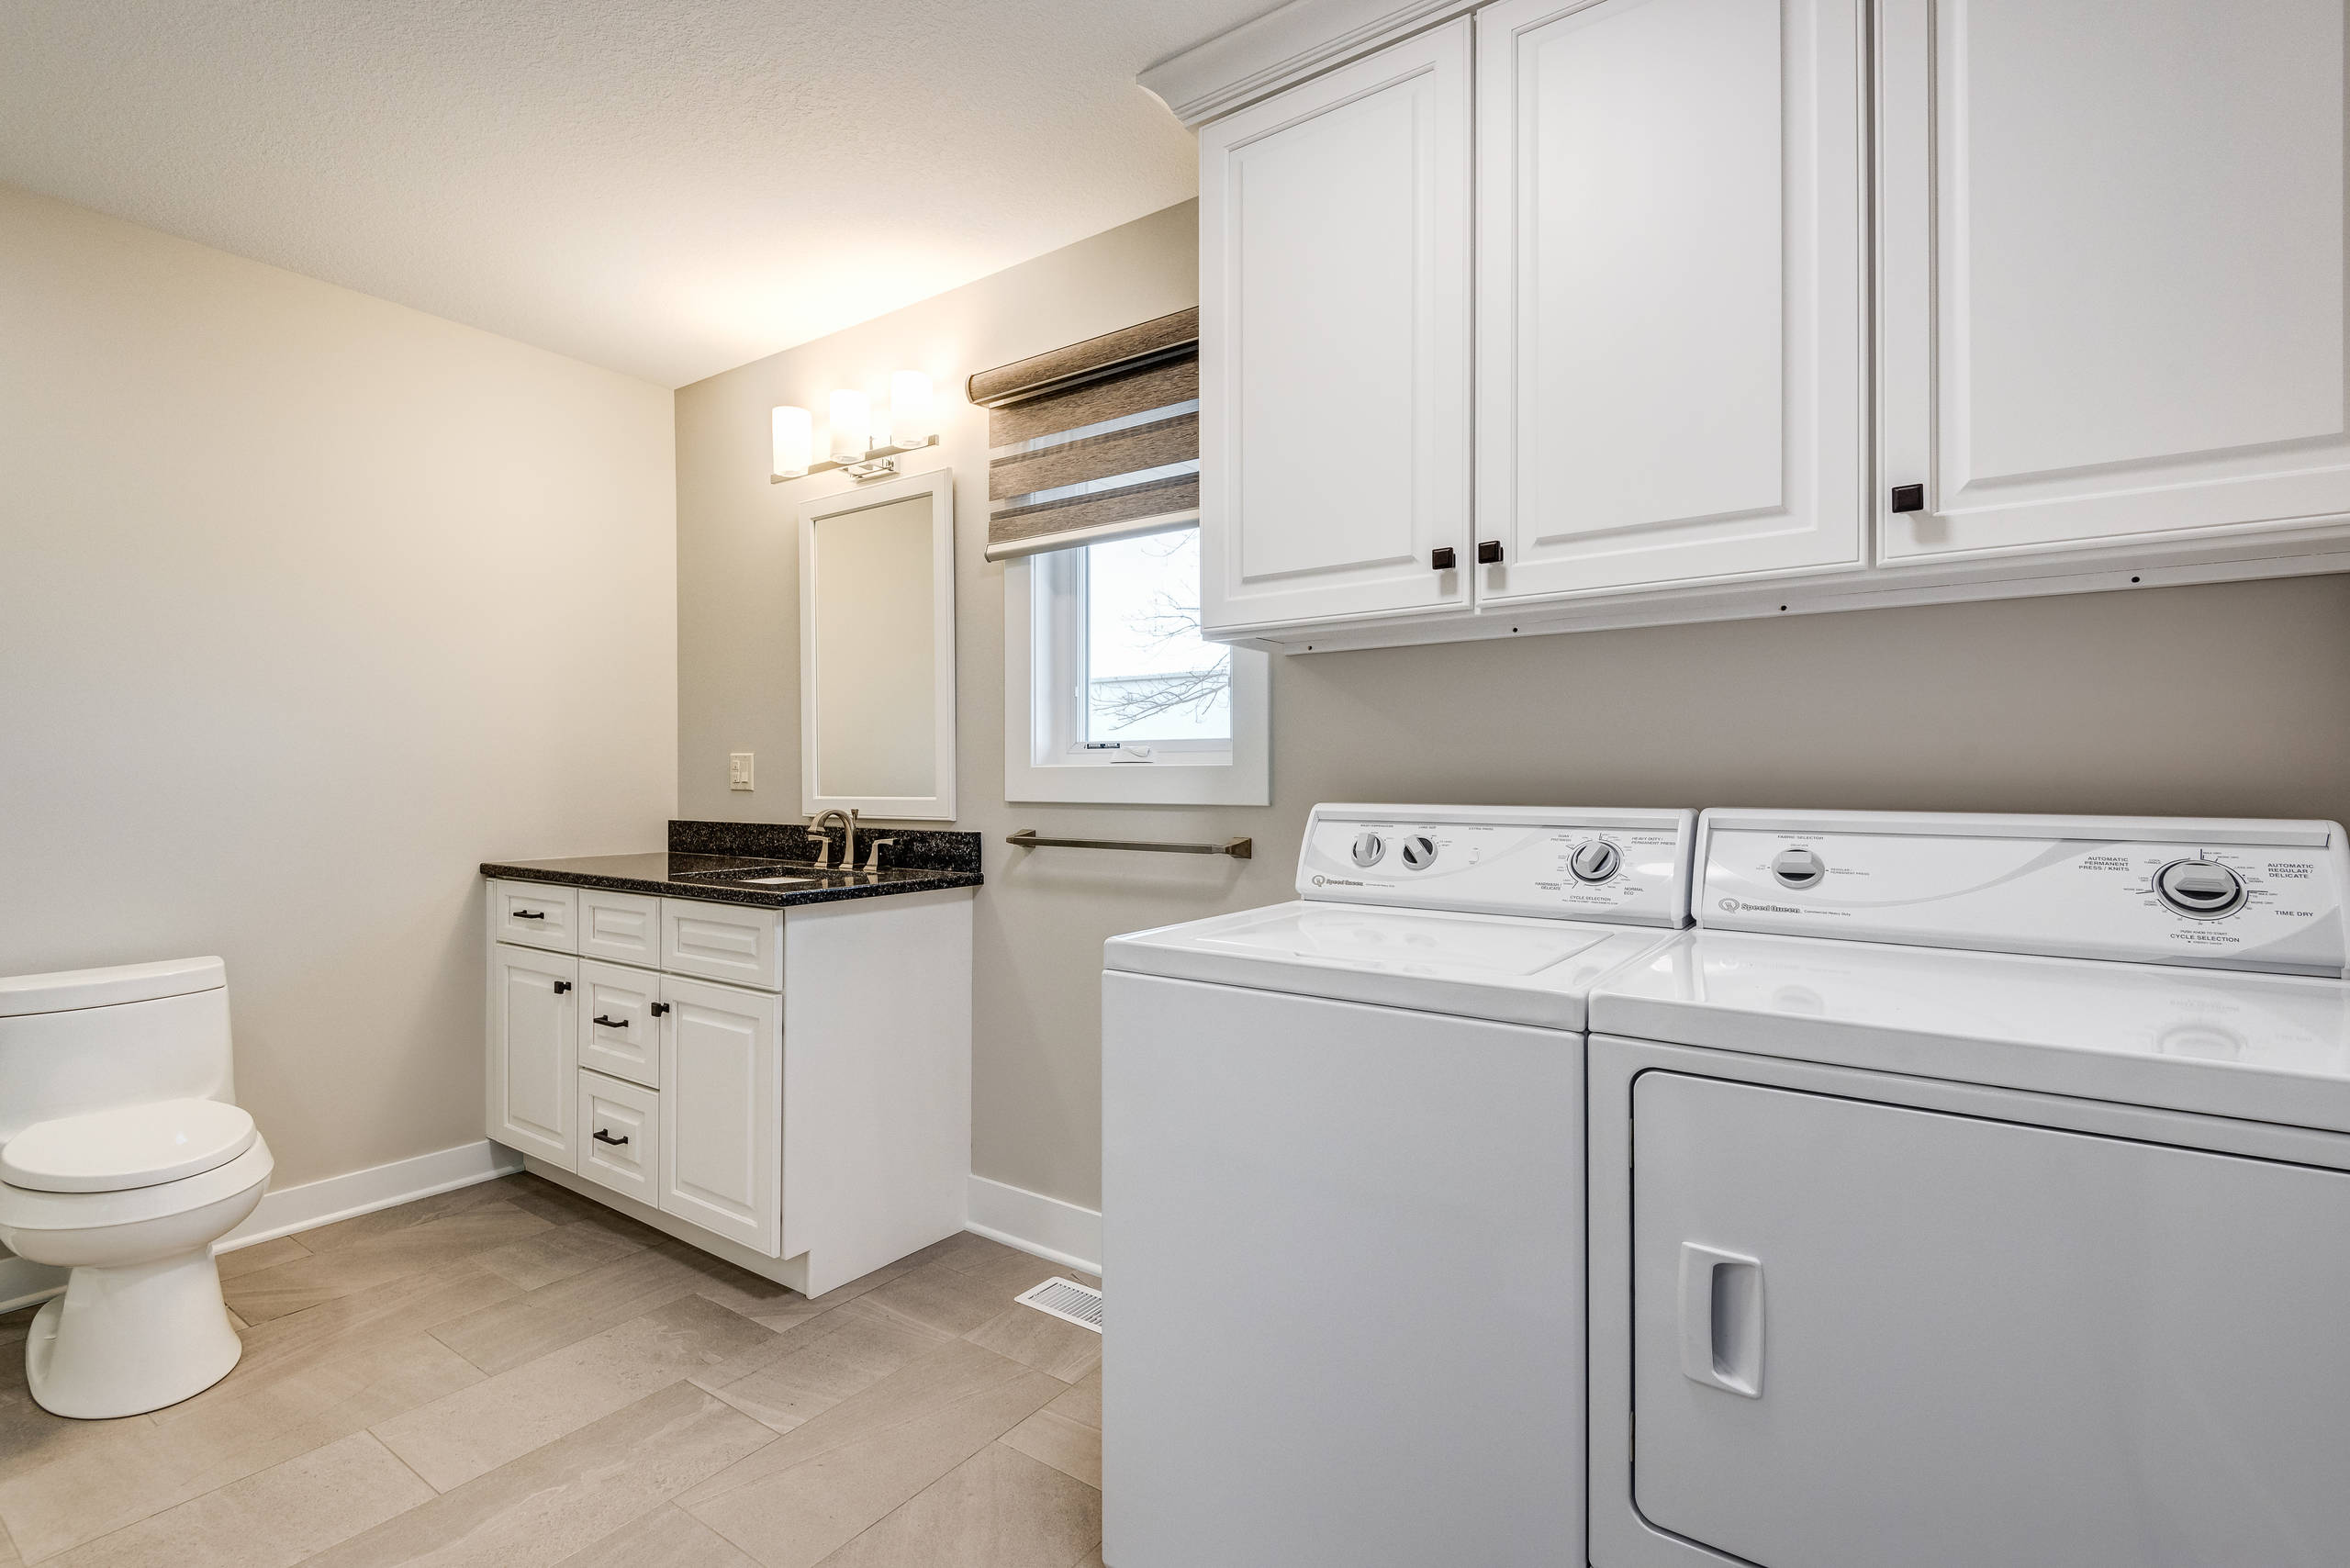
x=867, y=462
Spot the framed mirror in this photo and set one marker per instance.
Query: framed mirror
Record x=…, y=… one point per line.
x=877, y=650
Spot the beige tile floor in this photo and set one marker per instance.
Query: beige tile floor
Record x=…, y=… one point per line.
x=511, y=1375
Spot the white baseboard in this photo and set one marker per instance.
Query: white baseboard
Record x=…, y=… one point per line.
x=313, y=1204
x=1035, y=1223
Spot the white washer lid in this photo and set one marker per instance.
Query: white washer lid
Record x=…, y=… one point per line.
x=127, y=1146
x=1510, y=968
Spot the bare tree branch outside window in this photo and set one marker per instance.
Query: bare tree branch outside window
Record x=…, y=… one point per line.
x=1123, y=701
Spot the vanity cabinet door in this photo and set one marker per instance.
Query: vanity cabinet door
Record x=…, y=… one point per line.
x=1671, y=300
x=619, y=1022
x=721, y=1110
x=2110, y=273
x=533, y=1046
x=1334, y=343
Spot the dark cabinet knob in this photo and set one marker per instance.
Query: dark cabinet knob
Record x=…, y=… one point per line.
x=610, y=1023
x=1908, y=497
x=562, y=986
x=660, y=1010
x=1489, y=552
x=602, y=1136
x=1440, y=558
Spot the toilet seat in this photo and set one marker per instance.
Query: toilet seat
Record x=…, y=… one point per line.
x=127, y=1147
x=29, y=1208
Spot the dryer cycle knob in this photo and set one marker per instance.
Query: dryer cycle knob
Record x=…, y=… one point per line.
x=1370, y=849
x=1595, y=861
x=1419, y=851
x=1798, y=867
x=2201, y=888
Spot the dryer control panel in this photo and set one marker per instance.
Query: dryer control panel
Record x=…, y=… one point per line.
x=2221, y=894
x=1622, y=866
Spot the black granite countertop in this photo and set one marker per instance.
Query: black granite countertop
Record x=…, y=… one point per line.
x=718, y=862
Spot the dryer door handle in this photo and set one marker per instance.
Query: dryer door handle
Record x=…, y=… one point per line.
x=1721, y=1320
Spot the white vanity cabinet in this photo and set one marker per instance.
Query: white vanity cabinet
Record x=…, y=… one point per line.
x=1778, y=305
x=787, y=1088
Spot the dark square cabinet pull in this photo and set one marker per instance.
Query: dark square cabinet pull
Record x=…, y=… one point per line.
x=562, y=986
x=603, y=1136
x=1440, y=559
x=610, y=1023
x=1908, y=497
x=1489, y=552
x=660, y=1010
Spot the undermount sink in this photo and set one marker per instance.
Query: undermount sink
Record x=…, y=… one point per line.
x=753, y=877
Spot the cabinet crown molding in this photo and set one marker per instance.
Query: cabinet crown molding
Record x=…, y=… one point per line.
x=1282, y=48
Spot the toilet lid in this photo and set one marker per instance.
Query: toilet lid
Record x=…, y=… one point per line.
x=127, y=1146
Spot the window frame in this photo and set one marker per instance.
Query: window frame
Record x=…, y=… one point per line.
x=1044, y=760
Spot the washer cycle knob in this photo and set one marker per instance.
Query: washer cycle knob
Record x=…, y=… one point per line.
x=1595, y=861
x=1419, y=851
x=1370, y=849
x=2201, y=888
x=1798, y=867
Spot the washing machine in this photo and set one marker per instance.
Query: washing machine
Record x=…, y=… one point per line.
x=1342, y=1194
x=1976, y=1190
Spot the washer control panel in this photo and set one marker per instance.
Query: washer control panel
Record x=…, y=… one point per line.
x=2225, y=894
x=1619, y=866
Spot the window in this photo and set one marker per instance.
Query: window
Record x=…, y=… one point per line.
x=1125, y=699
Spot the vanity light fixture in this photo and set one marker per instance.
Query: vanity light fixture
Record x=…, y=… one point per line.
x=862, y=440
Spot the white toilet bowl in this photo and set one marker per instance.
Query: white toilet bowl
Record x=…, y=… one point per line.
x=130, y=1199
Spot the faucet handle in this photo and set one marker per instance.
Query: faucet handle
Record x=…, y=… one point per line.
x=873, y=857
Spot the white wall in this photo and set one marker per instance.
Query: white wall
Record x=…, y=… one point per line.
x=308, y=603
x=2228, y=700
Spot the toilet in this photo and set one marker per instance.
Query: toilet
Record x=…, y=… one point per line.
x=123, y=1158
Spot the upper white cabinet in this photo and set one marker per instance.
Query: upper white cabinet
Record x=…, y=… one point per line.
x=2111, y=269
x=1334, y=344
x=1670, y=324
x=1777, y=306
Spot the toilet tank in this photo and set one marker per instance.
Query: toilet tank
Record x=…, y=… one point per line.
x=85, y=1039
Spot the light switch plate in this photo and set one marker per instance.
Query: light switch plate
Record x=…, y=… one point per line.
x=738, y=771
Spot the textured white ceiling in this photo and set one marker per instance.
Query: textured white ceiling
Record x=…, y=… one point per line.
x=669, y=189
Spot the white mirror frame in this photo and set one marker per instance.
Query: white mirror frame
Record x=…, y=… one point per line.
x=939, y=805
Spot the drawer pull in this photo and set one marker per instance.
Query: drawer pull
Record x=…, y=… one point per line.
x=660, y=1010
x=603, y=1136
x=529, y=914
x=605, y=1022
x=562, y=986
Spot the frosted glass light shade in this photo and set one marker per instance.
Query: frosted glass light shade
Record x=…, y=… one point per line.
x=795, y=442
x=852, y=431
x=911, y=421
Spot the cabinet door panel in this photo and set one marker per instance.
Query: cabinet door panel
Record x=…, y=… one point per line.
x=534, y=1024
x=723, y=942
x=1335, y=320
x=2112, y=270
x=620, y=1024
x=721, y=1110
x=1866, y=1335
x=535, y=915
x=621, y=927
x=1671, y=383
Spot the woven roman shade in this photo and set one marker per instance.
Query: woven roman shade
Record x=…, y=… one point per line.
x=1097, y=440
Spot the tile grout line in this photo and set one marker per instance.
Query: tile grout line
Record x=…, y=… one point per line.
x=404, y=1465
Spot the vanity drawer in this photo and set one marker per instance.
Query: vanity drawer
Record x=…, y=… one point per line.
x=622, y=927
x=620, y=1122
x=619, y=1021
x=723, y=942
x=536, y=914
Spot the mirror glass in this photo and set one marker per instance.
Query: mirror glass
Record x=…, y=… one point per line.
x=877, y=634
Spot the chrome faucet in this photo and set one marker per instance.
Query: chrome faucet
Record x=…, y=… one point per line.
x=816, y=827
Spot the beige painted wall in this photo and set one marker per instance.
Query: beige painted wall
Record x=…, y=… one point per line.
x=2230, y=701
x=308, y=603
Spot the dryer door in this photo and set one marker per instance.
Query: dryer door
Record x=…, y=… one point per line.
x=1865, y=1335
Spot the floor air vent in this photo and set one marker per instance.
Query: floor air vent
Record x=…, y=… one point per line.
x=1067, y=1300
